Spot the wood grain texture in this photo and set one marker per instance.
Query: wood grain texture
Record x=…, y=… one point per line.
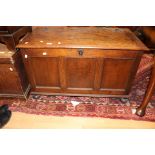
x=45, y=71
x=149, y=36
x=13, y=81
x=80, y=73
x=116, y=77
x=97, y=72
x=81, y=60
x=9, y=80
x=82, y=37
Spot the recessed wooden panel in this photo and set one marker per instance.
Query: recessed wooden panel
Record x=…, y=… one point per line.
x=9, y=82
x=116, y=73
x=80, y=73
x=45, y=71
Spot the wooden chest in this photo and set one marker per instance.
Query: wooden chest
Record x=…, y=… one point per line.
x=13, y=81
x=89, y=61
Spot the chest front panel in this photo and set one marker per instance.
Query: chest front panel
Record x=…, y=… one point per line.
x=68, y=71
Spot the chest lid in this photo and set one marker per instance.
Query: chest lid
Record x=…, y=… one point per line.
x=5, y=54
x=82, y=37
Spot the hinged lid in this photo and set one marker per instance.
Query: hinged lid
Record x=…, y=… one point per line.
x=5, y=54
x=82, y=37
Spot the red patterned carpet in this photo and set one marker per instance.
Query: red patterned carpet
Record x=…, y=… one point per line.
x=92, y=106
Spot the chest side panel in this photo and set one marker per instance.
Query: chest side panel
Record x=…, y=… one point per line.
x=9, y=80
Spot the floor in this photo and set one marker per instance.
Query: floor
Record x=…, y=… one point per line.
x=22, y=120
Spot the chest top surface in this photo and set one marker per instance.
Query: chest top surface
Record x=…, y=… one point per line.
x=4, y=52
x=81, y=37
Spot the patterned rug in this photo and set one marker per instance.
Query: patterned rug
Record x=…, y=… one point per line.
x=92, y=106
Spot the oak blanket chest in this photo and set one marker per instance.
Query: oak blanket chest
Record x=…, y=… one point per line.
x=81, y=61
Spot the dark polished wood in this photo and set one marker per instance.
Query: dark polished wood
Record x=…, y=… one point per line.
x=13, y=79
x=10, y=35
x=149, y=36
x=91, y=61
x=82, y=37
